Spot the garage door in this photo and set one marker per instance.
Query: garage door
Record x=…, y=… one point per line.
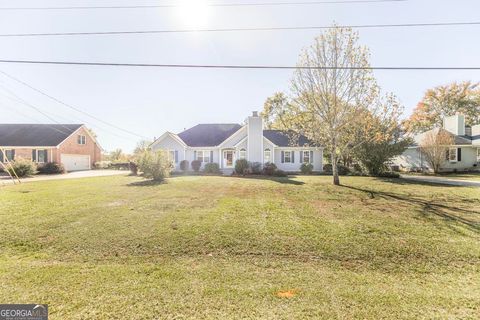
x=75, y=162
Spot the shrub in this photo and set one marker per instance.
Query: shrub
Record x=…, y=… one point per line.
x=51, y=168
x=211, y=168
x=280, y=173
x=388, y=174
x=22, y=167
x=184, y=164
x=269, y=168
x=196, y=164
x=241, y=166
x=256, y=168
x=306, y=168
x=102, y=164
x=155, y=165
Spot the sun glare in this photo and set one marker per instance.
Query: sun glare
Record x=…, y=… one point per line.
x=193, y=13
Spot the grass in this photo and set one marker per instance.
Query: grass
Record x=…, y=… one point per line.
x=238, y=248
x=472, y=176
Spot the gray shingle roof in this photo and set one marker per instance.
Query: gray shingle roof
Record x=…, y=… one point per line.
x=286, y=138
x=35, y=135
x=208, y=135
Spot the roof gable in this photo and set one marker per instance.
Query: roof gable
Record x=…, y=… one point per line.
x=208, y=135
x=35, y=135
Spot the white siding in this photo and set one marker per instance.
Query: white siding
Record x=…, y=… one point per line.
x=170, y=143
x=295, y=166
x=255, y=139
x=235, y=138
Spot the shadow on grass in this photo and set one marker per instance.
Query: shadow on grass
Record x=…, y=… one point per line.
x=445, y=211
x=146, y=183
x=282, y=180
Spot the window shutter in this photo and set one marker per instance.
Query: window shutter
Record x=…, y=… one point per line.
x=211, y=156
x=34, y=155
x=45, y=152
x=194, y=155
x=301, y=156
x=283, y=156
x=447, y=155
x=459, y=155
x=13, y=154
x=1, y=155
x=293, y=156
x=311, y=156
x=176, y=156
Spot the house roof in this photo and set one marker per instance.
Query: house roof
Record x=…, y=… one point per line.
x=286, y=138
x=458, y=140
x=35, y=135
x=208, y=135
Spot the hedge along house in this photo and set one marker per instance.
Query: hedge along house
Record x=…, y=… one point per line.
x=463, y=155
x=226, y=143
x=70, y=144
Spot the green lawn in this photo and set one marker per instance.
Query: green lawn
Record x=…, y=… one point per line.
x=235, y=248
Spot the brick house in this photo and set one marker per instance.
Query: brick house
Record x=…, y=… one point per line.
x=70, y=144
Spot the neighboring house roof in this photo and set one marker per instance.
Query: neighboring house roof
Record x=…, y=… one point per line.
x=458, y=140
x=35, y=135
x=208, y=135
x=286, y=138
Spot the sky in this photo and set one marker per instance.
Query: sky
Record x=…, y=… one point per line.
x=150, y=101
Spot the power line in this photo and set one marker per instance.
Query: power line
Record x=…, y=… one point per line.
x=36, y=109
x=258, y=4
x=207, y=66
x=365, y=26
x=71, y=107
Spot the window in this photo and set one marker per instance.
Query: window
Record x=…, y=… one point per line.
x=173, y=156
x=203, y=156
x=267, y=156
x=40, y=156
x=9, y=154
x=452, y=154
x=306, y=156
x=243, y=154
x=81, y=139
x=287, y=157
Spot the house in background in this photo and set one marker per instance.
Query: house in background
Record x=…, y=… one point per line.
x=464, y=155
x=69, y=144
x=225, y=143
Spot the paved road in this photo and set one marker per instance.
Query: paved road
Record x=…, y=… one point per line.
x=70, y=175
x=441, y=180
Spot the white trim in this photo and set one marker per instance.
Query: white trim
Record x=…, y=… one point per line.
x=168, y=134
x=232, y=136
x=240, y=142
x=268, y=140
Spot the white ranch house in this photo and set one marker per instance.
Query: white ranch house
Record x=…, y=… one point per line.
x=463, y=155
x=225, y=143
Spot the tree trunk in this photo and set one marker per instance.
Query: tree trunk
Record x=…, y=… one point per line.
x=336, y=178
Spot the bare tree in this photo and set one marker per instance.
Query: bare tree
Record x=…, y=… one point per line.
x=434, y=147
x=334, y=91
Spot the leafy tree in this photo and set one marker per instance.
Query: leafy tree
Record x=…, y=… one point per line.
x=377, y=138
x=444, y=101
x=116, y=155
x=155, y=165
x=434, y=147
x=141, y=147
x=329, y=99
x=275, y=112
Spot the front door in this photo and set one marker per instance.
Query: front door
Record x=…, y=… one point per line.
x=228, y=158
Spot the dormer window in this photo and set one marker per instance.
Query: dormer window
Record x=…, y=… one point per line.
x=81, y=139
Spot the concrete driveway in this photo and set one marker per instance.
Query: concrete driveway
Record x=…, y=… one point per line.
x=70, y=175
x=441, y=180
